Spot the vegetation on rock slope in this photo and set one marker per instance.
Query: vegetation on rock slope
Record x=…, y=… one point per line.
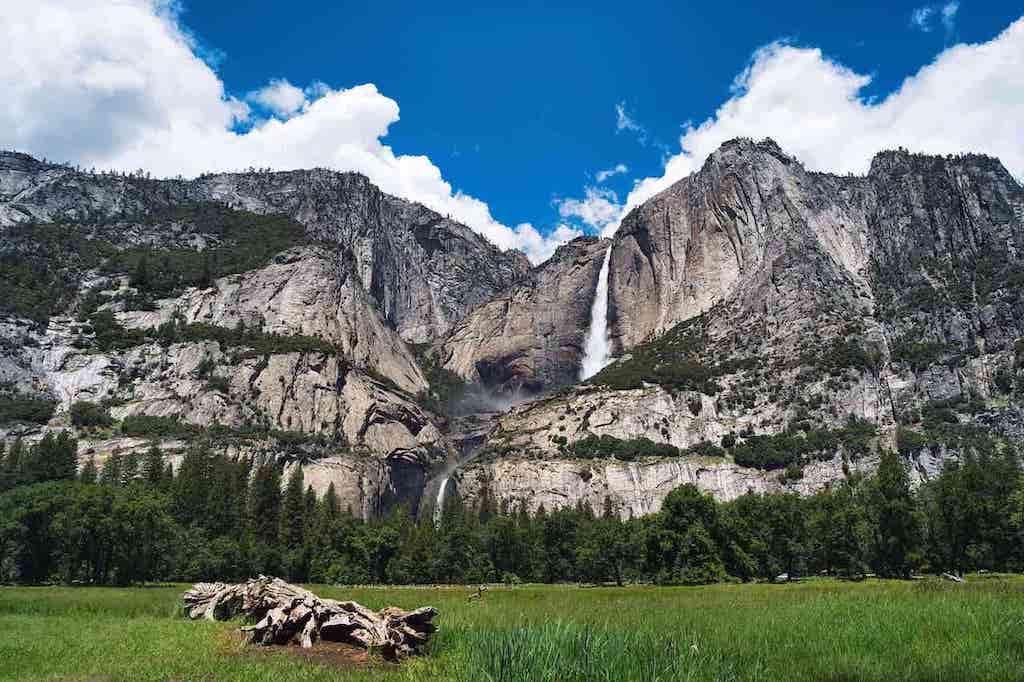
x=222, y=518
x=42, y=265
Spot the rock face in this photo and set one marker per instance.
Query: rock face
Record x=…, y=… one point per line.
x=424, y=271
x=751, y=301
x=372, y=273
x=632, y=488
x=756, y=230
x=757, y=298
x=307, y=291
x=531, y=334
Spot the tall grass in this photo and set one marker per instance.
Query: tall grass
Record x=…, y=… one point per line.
x=819, y=630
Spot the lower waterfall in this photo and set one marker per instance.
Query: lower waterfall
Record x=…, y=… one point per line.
x=439, y=504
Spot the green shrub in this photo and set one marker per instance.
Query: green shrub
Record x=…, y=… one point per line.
x=705, y=449
x=674, y=361
x=111, y=335
x=603, y=447
x=41, y=267
x=146, y=426
x=795, y=447
x=909, y=441
x=245, y=241
x=258, y=342
x=21, y=408
x=792, y=472
x=219, y=385
x=920, y=355
x=85, y=414
x=446, y=387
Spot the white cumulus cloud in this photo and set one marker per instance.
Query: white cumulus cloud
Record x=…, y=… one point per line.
x=281, y=97
x=123, y=85
x=922, y=18
x=598, y=209
x=617, y=169
x=969, y=99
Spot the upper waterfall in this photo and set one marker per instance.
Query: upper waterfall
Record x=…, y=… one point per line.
x=597, y=353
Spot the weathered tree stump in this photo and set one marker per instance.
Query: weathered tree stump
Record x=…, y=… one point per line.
x=288, y=614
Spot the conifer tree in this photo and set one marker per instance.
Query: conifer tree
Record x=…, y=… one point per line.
x=153, y=467
x=331, y=506
x=129, y=468
x=89, y=474
x=265, y=503
x=293, y=508
x=111, y=472
x=309, y=511
x=6, y=477
x=897, y=533
x=140, y=275
x=192, y=487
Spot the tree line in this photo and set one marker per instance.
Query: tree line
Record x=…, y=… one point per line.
x=220, y=518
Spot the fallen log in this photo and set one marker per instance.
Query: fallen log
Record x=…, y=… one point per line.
x=288, y=614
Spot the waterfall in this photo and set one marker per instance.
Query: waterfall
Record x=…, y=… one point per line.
x=598, y=348
x=439, y=505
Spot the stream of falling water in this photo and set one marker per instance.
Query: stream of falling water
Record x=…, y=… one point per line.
x=439, y=504
x=598, y=349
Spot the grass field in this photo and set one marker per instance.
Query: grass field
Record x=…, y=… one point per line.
x=817, y=630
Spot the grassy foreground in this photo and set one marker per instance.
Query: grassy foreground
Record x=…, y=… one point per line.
x=818, y=630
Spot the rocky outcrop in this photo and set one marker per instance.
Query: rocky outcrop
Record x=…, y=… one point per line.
x=631, y=489
x=531, y=334
x=423, y=271
x=307, y=291
x=754, y=231
x=750, y=300
x=755, y=297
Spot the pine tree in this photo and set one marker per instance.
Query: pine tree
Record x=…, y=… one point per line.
x=129, y=468
x=265, y=503
x=6, y=481
x=331, y=504
x=140, y=275
x=111, y=472
x=309, y=513
x=153, y=467
x=89, y=474
x=487, y=508
x=206, y=276
x=192, y=487
x=293, y=507
x=897, y=527
x=54, y=458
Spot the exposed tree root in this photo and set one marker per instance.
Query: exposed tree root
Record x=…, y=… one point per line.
x=287, y=614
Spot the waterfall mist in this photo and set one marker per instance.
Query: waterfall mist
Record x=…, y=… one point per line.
x=598, y=349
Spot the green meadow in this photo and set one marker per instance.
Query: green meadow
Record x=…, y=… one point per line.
x=814, y=630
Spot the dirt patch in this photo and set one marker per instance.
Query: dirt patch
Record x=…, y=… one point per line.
x=328, y=654
x=333, y=654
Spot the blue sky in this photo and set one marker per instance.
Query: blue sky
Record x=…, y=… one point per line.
x=516, y=102
x=508, y=114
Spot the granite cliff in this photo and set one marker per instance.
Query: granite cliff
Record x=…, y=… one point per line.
x=773, y=328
